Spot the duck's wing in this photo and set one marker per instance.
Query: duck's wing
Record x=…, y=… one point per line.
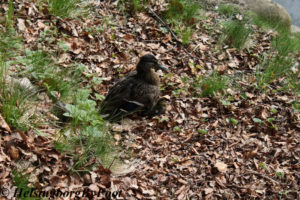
x=119, y=101
x=146, y=94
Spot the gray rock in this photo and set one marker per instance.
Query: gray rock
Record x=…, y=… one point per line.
x=292, y=6
x=23, y=83
x=295, y=29
x=270, y=10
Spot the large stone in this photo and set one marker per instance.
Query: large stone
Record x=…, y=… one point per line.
x=292, y=6
x=270, y=10
x=23, y=83
x=295, y=29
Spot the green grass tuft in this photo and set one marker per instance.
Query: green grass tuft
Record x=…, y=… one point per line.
x=213, y=84
x=236, y=33
x=10, y=44
x=22, y=183
x=59, y=82
x=268, y=23
x=280, y=62
x=182, y=10
x=15, y=100
x=182, y=15
x=66, y=8
x=228, y=10
x=132, y=7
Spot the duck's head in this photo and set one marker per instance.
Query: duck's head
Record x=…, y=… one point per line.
x=148, y=62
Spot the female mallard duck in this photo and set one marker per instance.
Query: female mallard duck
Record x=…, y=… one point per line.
x=139, y=90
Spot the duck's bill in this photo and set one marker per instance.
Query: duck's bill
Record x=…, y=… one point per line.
x=164, y=68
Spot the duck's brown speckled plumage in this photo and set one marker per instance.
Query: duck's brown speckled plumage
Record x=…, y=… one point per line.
x=139, y=90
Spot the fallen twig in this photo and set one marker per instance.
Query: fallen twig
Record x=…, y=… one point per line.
x=263, y=176
x=170, y=30
x=165, y=24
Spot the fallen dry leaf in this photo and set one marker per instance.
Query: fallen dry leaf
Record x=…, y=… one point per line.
x=222, y=167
